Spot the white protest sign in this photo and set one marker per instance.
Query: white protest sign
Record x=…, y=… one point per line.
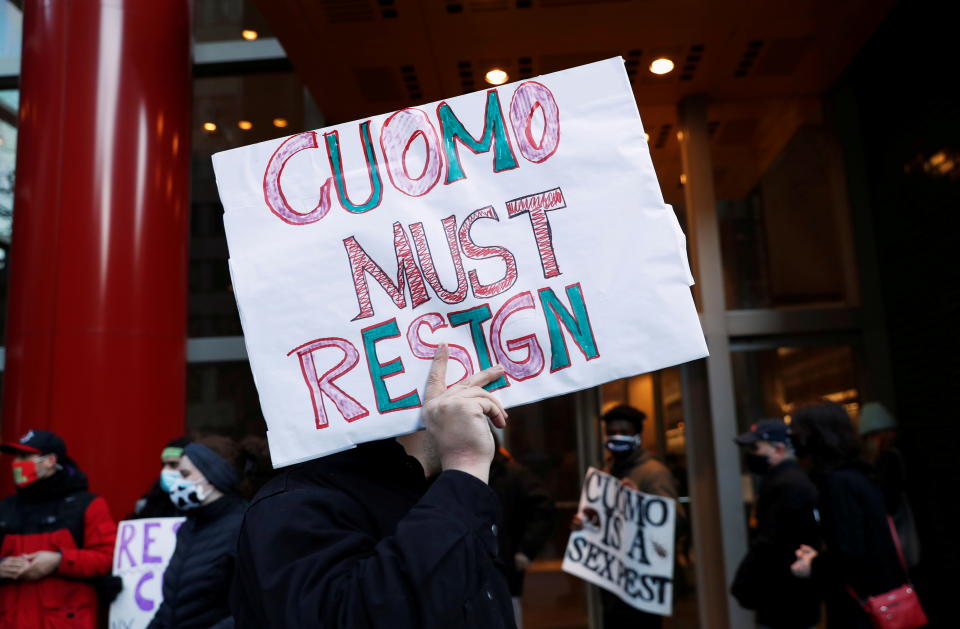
x=142, y=552
x=626, y=545
x=523, y=226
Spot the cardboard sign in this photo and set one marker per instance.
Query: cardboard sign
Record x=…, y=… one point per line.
x=626, y=545
x=523, y=225
x=143, y=550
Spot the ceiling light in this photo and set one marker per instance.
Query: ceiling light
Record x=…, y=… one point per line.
x=246, y=125
x=209, y=127
x=661, y=66
x=646, y=136
x=280, y=123
x=496, y=76
x=249, y=35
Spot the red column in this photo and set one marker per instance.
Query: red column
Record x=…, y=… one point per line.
x=97, y=304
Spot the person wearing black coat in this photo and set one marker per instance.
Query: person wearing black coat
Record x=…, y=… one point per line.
x=196, y=583
x=156, y=502
x=366, y=539
x=786, y=511
x=859, y=551
x=528, y=519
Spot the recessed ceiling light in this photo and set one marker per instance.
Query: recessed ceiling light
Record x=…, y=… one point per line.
x=496, y=76
x=280, y=123
x=209, y=127
x=661, y=66
x=249, y=34
x=246, y=125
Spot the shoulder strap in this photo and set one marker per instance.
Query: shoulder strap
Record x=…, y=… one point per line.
x=853, y=593
x=896, y=543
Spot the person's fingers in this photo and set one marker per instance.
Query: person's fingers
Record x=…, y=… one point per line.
x=437, y=378
x=482, y=378
x=480, y=392
x=492, y=410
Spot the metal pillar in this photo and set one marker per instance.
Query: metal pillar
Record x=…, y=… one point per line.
x=97, y=304
x=717, y=513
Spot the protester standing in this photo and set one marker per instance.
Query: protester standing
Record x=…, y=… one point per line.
x=156, y=502
x=56, y=539
x=878, y=435
x=196, y=583
x=527, y=521
x=859, y=550
x=636, y=468
x=368, y=538
x=786, y=510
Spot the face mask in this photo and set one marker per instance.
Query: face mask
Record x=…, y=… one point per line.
x=187, y=494
x=757, y=464
x=168, y=478
x=25, y=472
x=622, y=444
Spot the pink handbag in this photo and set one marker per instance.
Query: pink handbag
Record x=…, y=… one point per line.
x=896, y=609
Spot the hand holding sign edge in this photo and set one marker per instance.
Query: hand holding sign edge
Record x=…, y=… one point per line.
x=458, y=418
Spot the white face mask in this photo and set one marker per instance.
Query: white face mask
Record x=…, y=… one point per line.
x=187, y=494
x=622, y=444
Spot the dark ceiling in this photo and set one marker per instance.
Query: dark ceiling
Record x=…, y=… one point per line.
x=762, y=64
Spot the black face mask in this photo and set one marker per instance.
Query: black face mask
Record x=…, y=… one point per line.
x=757, y=464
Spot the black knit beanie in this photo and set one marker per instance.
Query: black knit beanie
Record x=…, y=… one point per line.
x=220, y=473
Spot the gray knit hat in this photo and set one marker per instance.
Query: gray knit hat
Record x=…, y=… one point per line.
x=875, y=417
x=220, y=473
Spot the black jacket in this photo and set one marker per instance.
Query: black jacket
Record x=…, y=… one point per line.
x=360, y=539
x=786, y=507
x=528, y=515
x=859, y=549
x=155, y=503
x=196, y=584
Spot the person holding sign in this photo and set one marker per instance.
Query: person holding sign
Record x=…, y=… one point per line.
x=636, y=468
x=367, y=538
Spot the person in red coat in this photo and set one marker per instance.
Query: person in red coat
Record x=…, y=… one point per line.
x=56, y=538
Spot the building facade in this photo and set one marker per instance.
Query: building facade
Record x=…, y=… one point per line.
x=810, y=155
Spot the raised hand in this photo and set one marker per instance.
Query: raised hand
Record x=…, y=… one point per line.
x=458, y=418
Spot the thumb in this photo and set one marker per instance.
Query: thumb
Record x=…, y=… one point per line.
x=437, y=378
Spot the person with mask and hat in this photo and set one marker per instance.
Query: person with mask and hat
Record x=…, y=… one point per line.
x=156, y=502
x=636, y=468
x=785, y=519
x=196, y=583
x=56, y=539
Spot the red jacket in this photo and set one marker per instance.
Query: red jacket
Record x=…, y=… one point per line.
x=56, y=514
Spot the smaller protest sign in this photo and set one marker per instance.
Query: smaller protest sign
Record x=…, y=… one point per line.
x=626, y=543
x=142, y=552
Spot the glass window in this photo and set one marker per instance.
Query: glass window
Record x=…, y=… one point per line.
x=223, y=407
x=772, y=383
x=11, y=31
x=229, y=111
x=225, y=20
x=9, y=107
x=784, y=221
x=543, y=438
